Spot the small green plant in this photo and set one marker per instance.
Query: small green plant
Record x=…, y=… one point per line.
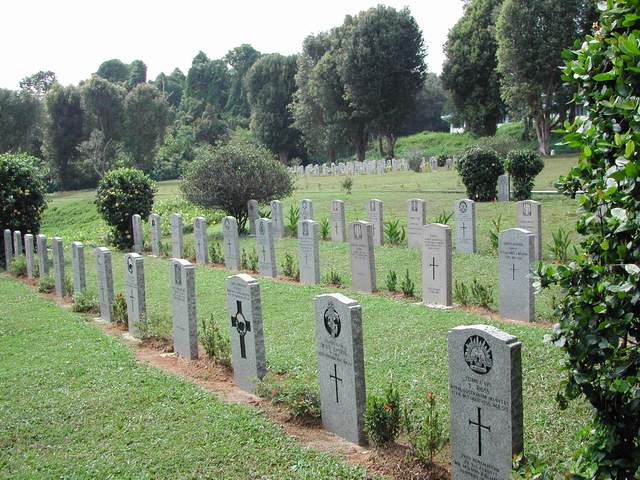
x=189, y=248
x=530, y=467
x=394, y=232
x=165, y=249
x=216, y=254
x=494, y=231
x=68, y=285
x=444, y=218
x=244, y=260
x=383, y=417
x=461, y=293
x=120, y=310
x=325, y=229
x=47, y=284
x=266, y=213
x=293, y=217
x=288, y=266
x=18, y=266
x=407, y=285
x=481, y=295
x=334, y=278
x=302, y=399
x=392, y=281
x=84, y=302
x=253, y=260
x=414, y=159
x=215, y=345
x=426, y=430
x=347, y=185
x=560, y=246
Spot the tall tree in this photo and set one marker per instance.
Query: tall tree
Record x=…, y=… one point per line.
x=114, y=70
x=240, y=60
x=137, y=73
x=146, y=116
x=208, y=81
x=38, y=84
x=172, y=86
x=531, y=37
x=19, y=117
x=430, y=102
x=470, y=69
x=63, y=133
x=270, y=86
x=104, y=103
x=383, y=69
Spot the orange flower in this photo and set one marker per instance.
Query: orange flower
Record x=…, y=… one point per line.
x=430, y=396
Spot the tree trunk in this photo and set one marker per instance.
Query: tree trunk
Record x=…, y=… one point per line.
x=526, y=131
x=391, y=145
x=360, y=143
x=333, y=155
x=380, y=146
x=284, y=157
x=543, y=131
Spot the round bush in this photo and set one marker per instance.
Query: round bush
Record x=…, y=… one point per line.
x=122, y=193
x=523, y=166
x=229, y=175
x=22, y=194
x=480, y=168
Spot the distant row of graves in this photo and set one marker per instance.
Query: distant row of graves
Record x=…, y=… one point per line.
x=485, y=375
x=368, y=167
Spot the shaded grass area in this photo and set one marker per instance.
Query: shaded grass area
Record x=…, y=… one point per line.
x=404, y=343
x=75, y=404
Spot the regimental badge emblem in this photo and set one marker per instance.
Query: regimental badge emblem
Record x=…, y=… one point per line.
x=357, y=231
x=414, y=205
x=477, y=354
x=261, y=228
x=332, y=323
x=130, y=264
x=462, y=206
x=177, y=274
x=526, y=209
x=227, y=224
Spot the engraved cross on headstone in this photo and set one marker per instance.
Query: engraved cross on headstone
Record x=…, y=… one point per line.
x=513, y=271
x=334, y=376
x=242, y=325
x=480, y=427
x=132, y=298
x=264, y=254
x=433, y=266
x=464, y=230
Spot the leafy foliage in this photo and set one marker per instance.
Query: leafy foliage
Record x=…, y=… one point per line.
x=494, y=231
x=22, y=193
x=293, y=217
x=18, y=266
x=121, y=194
x=325, y=229
x=523, y=166
x=382, y=417
x=444, y=218
x=392, y=281
x=347, y=185
x=19, y=122
x=480, y=168
x=600, y=324
x=426, y=430
x=46, y=284
x=414, y=159
x=119, y=307
x=215, y=345
x=229, y=175
x=395, y=232
x=560, y=245
x=334, y=278
x=407, y=285
x=85, y=302
x=300, y=397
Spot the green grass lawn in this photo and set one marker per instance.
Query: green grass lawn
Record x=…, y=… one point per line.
x=75, y=404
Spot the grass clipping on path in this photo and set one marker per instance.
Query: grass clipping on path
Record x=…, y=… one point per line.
x=76, y=404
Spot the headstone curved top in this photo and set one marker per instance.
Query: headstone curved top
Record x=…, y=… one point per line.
x=416, y=220
x=306, y=209
x=252, y=214
x=485, y=394
x=338, y=224
x=177, y=242
x=465, y=217
x=436, y=265
x=530, y=218
x=375, y=215
x=277, y=216
x=231, y=243
x=265, y=248
x=363, y=263
x=183, y=308
x=515, y=255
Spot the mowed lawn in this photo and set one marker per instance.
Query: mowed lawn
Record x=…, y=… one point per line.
x=75, y=404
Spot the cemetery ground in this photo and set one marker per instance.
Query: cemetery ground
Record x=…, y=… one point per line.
x=404, y=342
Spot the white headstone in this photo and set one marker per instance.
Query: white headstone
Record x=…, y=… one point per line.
x=530, y=218
x=265, y=248
x=465, y=217
x=309, y=251
x=57, y=249
x=363, y=262
x=154, y=227
x=416, y=220
x=201, y=240
x=277, y=217
x=341, y=366
x=177, y=241
x=485, y=395
x=28, y=250
x=134, y=292
x=138, y=235
x=78, y=268
x=338, y=224
x=436, y=265
x=8, y=248
x=104, y=280
x=246, y=335
x=17, y=243
x=43, y=255
x=231, y=243
x=375, y=216
x=504, y=188
x=253, y=214
x=183, y=308
x=515, y=254
x=306, y=209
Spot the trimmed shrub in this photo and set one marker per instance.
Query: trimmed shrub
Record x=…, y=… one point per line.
x=480, y=168
x=229, y=175
x=414, y=159
x=122, y=193
x=22, y=194
x=523, y=166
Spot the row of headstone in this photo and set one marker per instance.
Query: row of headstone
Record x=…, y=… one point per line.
x=368, y=167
